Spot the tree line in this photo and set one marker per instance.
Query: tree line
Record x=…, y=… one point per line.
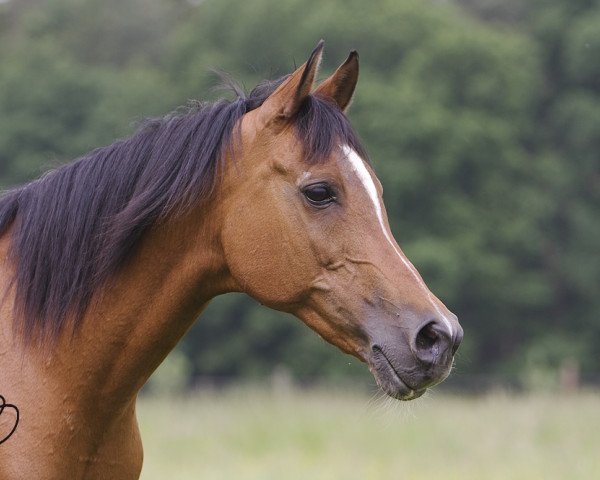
x=481, y=118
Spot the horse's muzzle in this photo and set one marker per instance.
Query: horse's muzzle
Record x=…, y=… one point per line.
x=405, y=367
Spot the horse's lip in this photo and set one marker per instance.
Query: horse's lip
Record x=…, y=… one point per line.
x=389, y=379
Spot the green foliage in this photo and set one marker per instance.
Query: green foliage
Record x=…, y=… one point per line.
x=540, y=363
x=483, y=123
x=55, y=106
x=238, y=337
x=171, y=377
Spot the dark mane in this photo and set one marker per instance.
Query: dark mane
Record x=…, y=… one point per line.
x=74, y=227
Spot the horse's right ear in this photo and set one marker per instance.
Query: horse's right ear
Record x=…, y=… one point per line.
x=285, y=101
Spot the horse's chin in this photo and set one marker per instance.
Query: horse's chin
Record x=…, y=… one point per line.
x=390, y=381
x=394, y=386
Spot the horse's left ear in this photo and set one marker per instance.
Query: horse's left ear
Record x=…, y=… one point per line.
x=286, y=100
x=340, y=86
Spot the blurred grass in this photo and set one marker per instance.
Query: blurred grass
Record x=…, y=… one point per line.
x=250, y=433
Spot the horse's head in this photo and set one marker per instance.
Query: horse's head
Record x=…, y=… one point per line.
x=306, y=232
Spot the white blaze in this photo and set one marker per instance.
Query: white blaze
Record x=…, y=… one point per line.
x=359, y=168
x=305, y=176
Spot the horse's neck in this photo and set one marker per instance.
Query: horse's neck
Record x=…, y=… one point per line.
x=77, y=389
x=140, y=317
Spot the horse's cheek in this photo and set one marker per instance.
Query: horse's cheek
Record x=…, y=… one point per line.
x=267, y=260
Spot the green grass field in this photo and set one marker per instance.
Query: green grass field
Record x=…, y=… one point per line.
x=256, y=434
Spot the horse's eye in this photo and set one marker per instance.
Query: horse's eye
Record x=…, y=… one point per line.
x=319, y=195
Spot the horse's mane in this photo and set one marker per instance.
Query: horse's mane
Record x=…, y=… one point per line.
x=74, y=227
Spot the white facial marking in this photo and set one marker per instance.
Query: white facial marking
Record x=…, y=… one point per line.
x=359, y=168
x=303, y=177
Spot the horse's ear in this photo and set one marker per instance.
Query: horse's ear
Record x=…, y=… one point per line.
x=285, y=101
x=340, y=86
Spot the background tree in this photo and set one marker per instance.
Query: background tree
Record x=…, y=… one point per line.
x=482, y=118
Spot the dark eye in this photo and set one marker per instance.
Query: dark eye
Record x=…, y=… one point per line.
x=319, y=195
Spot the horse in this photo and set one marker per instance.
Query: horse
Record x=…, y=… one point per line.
x=106, y=262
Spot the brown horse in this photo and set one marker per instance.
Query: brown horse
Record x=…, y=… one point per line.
x=106, y=262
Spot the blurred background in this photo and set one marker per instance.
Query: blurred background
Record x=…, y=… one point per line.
x=481, y=117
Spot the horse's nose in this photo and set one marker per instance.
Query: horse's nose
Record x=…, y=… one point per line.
x=433, y=343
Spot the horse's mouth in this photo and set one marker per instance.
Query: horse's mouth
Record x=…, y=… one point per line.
x=388, y=378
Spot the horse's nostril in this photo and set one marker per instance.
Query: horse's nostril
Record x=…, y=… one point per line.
x=430, y=343
x=426, y=337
